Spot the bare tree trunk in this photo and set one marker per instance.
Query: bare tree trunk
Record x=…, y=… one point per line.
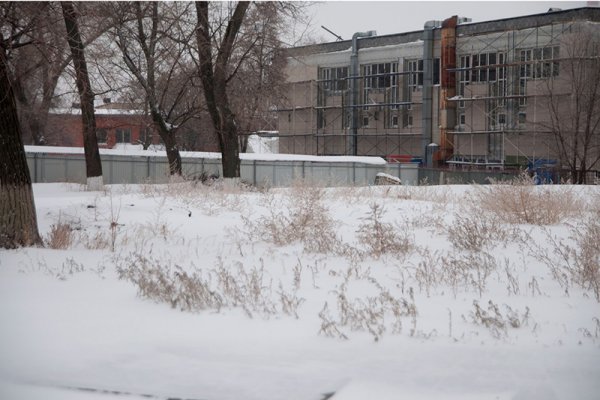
x=18, y=220
x=214, y=81
x=173, y=156
x=90, y=142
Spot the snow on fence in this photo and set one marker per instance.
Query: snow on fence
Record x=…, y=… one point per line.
x=62, y=164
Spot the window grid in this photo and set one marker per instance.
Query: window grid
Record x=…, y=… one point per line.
x=123, y=135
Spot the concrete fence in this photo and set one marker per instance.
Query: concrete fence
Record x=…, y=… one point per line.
x=118, y=169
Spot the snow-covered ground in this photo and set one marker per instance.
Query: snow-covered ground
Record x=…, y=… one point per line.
x=193, y=292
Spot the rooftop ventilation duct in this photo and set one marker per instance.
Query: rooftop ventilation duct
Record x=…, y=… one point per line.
x=353, y=143
x=426, y=137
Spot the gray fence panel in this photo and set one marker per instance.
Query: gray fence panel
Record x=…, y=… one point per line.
x=372, y=171
x=117, y=169
x=320, y=173
x=409, y=174
x=58, y=168
x=283, y=173
x=264, y=173
x=213, y=166
x=444, y=177
x=75, y=169
x=341, y=174
x=192, y=167
x=247, y=171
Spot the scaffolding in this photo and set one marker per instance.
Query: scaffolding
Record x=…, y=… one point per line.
x=500, y=103
x=317, y=118
x=496, y=113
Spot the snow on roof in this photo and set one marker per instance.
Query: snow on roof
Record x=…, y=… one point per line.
x=137, y=151
x=98, y=111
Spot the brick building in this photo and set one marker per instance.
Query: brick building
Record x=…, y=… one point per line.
x=115, y=123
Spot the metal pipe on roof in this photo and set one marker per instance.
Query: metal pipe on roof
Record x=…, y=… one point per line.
x=353, y=142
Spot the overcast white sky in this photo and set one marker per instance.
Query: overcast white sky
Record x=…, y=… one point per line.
x=386, y=17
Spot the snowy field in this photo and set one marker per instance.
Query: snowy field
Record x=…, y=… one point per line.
x=187, y=291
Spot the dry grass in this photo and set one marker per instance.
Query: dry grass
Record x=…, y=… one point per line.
x=368, y=314
x=521, y=202
x=233, y=286
x=61, y=236
x=301, y=217
x=380, y=237
x=574, y=260
x=473, y=231
x=496, y=322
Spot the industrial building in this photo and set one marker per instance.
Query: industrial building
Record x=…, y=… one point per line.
x=457, y=94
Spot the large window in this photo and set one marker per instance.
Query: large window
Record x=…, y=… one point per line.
x=415, y=76
x=483, y=67
x=538, y=63
x=334, y=78
x=123, y=135
x=380, y=76
x=541, y=62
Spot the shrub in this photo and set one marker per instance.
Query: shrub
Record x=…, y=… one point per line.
x=475, y=231
x=245, y=288
x=60, y=236
x=576, y=260
x=188, y=292
x=497, y=323
x=521, y=202
x=305, y=220
x=381, y=237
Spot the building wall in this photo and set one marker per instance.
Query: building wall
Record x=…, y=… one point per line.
x=308, y=104
x=501, y=119
x=67, y=129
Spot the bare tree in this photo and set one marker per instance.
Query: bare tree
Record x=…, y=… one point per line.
x=215, y=76
x=238, y=63
x=32, y=66
x=36, y=69
x=574, y=102
x=153, y=39
x=259, y=81
x=18, y=220
x=86, y=95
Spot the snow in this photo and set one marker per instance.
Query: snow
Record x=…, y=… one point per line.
x=136, y=150
x=71, y=329
x=390, y=177
x=98, y=111
x=258, y=144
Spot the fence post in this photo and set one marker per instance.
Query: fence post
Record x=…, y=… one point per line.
x=110, y=170
x=66, y=159
x=35, y=167
x=43, y=169
x=148, y=168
